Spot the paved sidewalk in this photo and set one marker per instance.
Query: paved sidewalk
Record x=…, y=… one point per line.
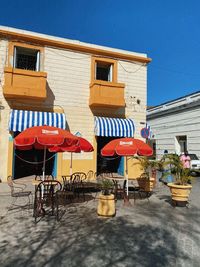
x=147, y=234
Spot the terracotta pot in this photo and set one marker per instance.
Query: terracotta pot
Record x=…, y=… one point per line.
x=146, y=184
x=106, y=205
x=153, y=175
x=179, y=192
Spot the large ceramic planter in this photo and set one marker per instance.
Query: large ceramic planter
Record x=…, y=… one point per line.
x=146, y=184
x=106, y=205
x=179, y=192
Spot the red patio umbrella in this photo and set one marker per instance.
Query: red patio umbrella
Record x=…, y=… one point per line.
x=43, y=137
x=126, y=147
x=82, y=145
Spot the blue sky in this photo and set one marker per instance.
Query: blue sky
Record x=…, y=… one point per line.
x=168, y=31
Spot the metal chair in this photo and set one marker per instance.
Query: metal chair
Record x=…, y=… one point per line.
x=38, y=177
x=119, y=190
x=18, y=192
x=78, y=177
x=68, y=189
x=45, y=196
x=90, y=175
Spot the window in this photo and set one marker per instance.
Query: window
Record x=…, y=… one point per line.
x=104, y=71
x=26, y=58
x=180, y=144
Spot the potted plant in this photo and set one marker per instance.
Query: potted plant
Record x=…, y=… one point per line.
x=181, y=187
x=106, y=201
x=147, y=180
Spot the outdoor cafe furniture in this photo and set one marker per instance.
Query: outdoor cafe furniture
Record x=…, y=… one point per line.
x=78, y=184
x=18, y=192
x=39, y=177
x=68, y=189
x=45, y=197
x=126, y=147
x=119, y=186
x=118, y=180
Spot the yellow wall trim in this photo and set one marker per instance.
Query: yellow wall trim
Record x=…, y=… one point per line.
x=74, y=47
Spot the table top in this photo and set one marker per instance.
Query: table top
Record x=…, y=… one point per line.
x=36, y=182
x=117, y=177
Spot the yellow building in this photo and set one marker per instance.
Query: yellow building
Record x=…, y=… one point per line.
x=94, y=91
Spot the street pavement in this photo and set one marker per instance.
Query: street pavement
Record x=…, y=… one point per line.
x=147, y=233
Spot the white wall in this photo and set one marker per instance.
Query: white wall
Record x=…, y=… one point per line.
x=167, y=127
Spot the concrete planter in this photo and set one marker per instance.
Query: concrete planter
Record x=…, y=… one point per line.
x=106, y=205
x=179, y=192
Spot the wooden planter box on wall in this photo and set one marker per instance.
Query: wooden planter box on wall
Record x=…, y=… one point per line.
x=24, y=84
x=106, y=94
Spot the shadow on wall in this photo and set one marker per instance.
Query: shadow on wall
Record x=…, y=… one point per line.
x=108, y=112
x=35, y=105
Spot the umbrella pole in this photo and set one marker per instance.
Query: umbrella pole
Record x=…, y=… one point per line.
x=70, y=168
x=126, y=199
x=43, y=168
x=126, y=171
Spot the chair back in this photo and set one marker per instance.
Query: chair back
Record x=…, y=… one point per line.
x=78, y=177
x=46, y=189
x=67, y=182
x=90, y=175
x=47, y=177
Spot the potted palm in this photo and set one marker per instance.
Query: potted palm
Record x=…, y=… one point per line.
x=147, y=180
x=181, y=187
x=106, y=201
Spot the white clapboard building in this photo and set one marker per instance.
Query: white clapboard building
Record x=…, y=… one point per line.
x=176, y=125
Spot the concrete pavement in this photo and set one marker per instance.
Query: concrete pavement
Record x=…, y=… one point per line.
x=148, y=233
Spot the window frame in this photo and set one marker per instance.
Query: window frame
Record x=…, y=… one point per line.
x=112, y=62
x=12, y=55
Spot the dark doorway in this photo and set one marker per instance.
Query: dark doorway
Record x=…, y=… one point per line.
x=107, y=164
x=30, y=162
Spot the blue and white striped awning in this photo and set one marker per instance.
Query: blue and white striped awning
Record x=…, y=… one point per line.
x=22, y=119
x=114, y=127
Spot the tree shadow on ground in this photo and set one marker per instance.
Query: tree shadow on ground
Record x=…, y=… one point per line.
x=83, y=239
x=145, y=234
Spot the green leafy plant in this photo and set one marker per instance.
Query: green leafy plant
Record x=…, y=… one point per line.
x=106, y=186
x=148, y=165
x=180, y=174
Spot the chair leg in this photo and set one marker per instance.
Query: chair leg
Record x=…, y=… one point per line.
x=38, y=211
x=14, y=200
x=57, y=209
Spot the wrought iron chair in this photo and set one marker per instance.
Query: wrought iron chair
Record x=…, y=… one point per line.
x=18, y=192
x=68, y=189
x=38, y=177
x=90, y=175
x=119, y=190
x=78, y=179
x=45, y=196
x=65, y=196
